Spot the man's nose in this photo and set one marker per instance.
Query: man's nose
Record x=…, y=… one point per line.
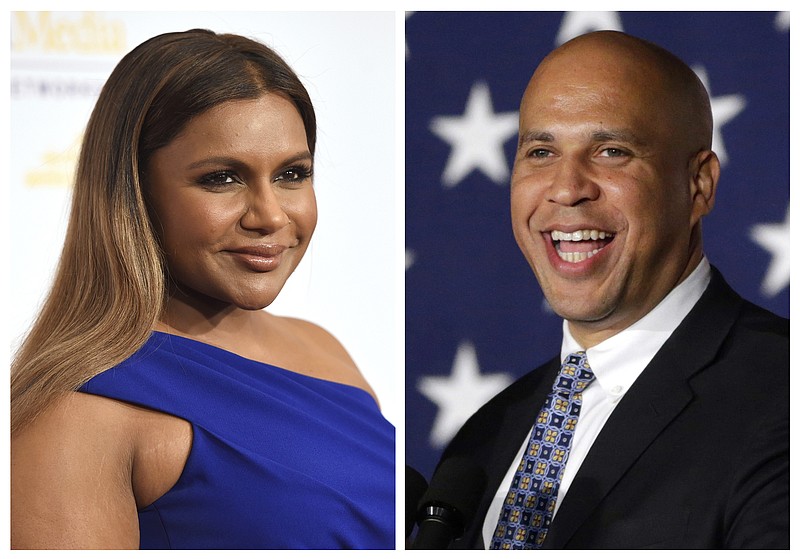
x=572, y=183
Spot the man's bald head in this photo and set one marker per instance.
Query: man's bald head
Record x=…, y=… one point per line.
x=637, y=67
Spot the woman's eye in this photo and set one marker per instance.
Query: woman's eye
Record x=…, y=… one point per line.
x=219, y=178
x=295, y=174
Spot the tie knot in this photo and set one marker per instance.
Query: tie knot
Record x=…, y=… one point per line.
x=575, y=374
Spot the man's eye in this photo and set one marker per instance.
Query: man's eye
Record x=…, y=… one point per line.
x=539, y=153
x=614, y=152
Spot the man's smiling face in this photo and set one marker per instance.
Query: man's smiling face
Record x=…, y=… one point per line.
x=608, y=187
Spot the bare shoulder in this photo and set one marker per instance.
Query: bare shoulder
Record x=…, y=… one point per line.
x=318, y=336
x=324, y=354
x=70, y=477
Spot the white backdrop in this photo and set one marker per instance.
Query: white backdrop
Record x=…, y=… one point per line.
x=348, y=281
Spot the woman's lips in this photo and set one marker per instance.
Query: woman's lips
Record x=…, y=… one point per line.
x=259, y=258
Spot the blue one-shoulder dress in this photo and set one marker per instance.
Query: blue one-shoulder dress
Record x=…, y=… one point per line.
x=279, y=460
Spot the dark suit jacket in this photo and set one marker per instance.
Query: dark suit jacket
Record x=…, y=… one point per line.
x=696, y=455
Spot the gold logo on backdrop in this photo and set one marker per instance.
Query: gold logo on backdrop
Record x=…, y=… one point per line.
x=91, y=33
x=57, y=168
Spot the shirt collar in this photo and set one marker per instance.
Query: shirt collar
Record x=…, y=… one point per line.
x=618, y=361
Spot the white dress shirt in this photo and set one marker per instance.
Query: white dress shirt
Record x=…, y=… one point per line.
x=616, y=363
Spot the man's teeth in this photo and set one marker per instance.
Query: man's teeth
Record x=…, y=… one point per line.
x=584, y=235
x=576, y=256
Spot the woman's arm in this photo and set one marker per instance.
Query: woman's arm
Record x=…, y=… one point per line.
x=71, y=478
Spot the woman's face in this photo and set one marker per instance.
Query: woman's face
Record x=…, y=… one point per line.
x=233, y=202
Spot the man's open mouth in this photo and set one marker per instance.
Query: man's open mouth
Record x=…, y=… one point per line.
x=580, y=245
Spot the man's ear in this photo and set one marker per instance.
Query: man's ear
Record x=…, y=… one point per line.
x=703, y=183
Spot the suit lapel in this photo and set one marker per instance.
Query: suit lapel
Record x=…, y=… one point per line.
x=660, y=393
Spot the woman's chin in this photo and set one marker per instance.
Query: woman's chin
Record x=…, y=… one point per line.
x=254, y=304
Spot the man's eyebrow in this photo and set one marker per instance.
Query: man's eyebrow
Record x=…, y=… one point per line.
x=625, y=136
x=535, y=136
x=620, y=135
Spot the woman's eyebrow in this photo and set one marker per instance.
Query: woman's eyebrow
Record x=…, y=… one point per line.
x=228, y=161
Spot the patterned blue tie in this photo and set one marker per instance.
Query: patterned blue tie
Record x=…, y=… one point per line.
x=529, y=506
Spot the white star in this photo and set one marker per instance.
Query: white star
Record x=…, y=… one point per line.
x=408, y=15
x=782, y=21
x=578, y=23
x=410, y=257
x=774, y=238
x=461, y=394
x=476, y=138
x=724, y=109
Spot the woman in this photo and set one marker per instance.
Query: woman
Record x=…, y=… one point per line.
x=153, y=404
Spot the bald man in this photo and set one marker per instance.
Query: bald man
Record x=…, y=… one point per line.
x=664, y=421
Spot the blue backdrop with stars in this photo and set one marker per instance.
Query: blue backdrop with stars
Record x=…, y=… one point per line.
x=475, y=316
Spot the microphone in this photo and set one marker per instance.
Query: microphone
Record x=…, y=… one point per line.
x=450, y=503
x=416, y=485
